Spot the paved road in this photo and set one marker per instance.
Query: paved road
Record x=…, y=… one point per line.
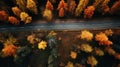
x=65, y=25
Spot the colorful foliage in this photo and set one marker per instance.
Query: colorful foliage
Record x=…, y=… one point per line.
x=97, y=3
x=117, y=56
x=110, y=51
x=99, y=52
x=73, y=55
x=31, y=5
x=115, y=8
x=103, y=39
x=16, y=11
x=71, y=6
x=108, y=32
x=32, y=39
x=25, y=17
x=89, y=12
x=92, y=61
x=13, y=20
x=86, y=35
x=69, y=64
x=49, y=6
x=22, y=4
x=86, y=48
x=81, y=6
x=47, y=14
x=62, y=6
x=9, y=50
x=105, y=8
x=42, y=45
x=61, y=12
x=3, y=15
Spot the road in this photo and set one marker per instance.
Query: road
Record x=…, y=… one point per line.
x=65, y=25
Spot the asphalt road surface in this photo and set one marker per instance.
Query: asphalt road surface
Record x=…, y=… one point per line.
x=65, y=25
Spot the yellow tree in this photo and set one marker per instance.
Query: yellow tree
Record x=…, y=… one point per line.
x=81, y=6
x=31, y=5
